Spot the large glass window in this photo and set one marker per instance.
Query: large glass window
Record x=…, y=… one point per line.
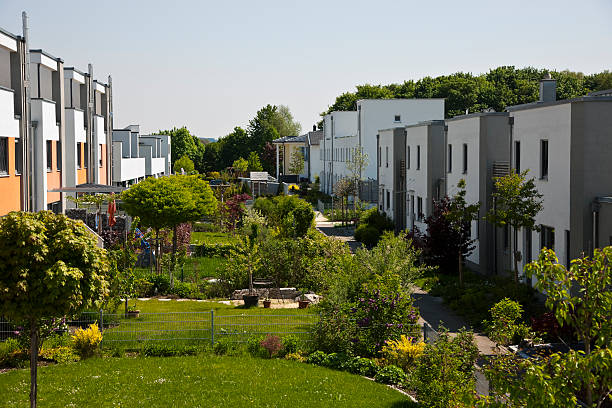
x=18, y=158
x=543, y=159
x=49, y=155
x=4, y=155
x=547, y=237
x=465, y=158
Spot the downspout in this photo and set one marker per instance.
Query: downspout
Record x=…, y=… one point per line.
x=89, y=136
x=109, y=133
x=26, y=148
x=596, y=206
x=34, y=197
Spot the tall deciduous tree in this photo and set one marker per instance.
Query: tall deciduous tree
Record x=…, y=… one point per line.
x=184, y=164
x=460, y=215
x=50, y=266
x=516, y=204
x=356, y=165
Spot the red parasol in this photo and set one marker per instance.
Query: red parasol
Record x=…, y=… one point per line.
x=112, y=209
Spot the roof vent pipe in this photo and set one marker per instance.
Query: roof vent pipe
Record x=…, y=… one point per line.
x=548, y=89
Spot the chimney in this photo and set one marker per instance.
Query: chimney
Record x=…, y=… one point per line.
x=548, y=89
x=314, y=128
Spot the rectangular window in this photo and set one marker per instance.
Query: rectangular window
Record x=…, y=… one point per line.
x=49, y=155
x=412, y=206
x=85, y=155
x=18, y=158
x=408, y=157
x=517, y=156
x=388, y=199
x=528, y=246
x=420, y=208
x=506, y=237
x=397, y=118
x=450, y=158
x=100, y=155
x=465, y=158
x=544, y=159
x=4, y=155
x=418, y=157
x=387, y=156
x=379, y=156
x=79, y=155
x=567, y=249
x=383, y=199
x=547, y=237
x=58, y=155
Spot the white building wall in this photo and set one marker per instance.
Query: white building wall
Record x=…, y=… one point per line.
x=552, y=123
x=75, y=133
x=9, y=126
x=385, y=172
x=417, y=177
x=376, y=114
x=316, y=162
x=466, y=132
x=99, y=138
x=43, y=112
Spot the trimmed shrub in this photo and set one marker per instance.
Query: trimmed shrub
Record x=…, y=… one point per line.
x=335, y=360
x=291, y=345
x=361, y=366
x=85, y=342
x=390, y=375
x=367, y=235
x=316, y=357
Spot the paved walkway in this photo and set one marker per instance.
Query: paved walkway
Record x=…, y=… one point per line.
x=344, y=234
x=434, y=311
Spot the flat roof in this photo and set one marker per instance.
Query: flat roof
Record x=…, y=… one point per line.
x=426, y=123
x=532, y=105
x=15, y=36
x=46, y=54
x=477, y=114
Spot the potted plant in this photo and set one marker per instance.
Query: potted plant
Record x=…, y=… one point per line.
x=132, y=312
x=267, y=302
x=303, y=302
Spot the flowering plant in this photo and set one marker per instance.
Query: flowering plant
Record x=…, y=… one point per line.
x=403, y=352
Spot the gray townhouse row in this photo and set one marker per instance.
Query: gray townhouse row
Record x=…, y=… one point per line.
x=566, y=146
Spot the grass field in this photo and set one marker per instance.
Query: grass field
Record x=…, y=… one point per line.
x=198, y=381
x=212, y=238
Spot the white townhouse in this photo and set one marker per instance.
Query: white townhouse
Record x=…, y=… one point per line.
x=344, y=132
x=391, y=160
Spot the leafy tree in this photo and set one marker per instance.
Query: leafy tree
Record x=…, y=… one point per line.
x=167, y=202
x=588, y=311
x=296, y=163
x=445, y=242
x=516, y=204
x=253, y=163
x=50, y=267
x=240, y=166
x=184, y=164
x=356, y=166
x=460, y=215
x=342, y=190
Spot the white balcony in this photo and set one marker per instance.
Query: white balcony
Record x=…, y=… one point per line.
x=9, y=126
x=158, y=165
x=125, y=169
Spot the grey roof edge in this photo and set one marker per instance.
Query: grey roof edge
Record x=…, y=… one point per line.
x=75, y=70
x=46, y=54
x=476, y=114
x=426, y=123
x=401, y=99
x=602, y=92
x=14, y=36
x=392, y=128
x=533, y=105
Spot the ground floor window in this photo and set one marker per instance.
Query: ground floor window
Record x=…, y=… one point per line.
x=4, y=156
x=547, y=237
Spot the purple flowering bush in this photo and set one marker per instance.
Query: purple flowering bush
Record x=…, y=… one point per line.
x=380, y=317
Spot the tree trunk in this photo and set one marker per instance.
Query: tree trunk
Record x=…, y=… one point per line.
x=126, y=306
x=250, y=281
x=515, y=267
x=460, y=269
x=33, y=362
x=173, y=262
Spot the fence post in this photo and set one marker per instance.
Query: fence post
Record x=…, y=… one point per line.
x=212, y=327
x=101, y=324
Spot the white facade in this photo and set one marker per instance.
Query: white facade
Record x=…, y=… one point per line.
x=126, y=170
x=339, y=135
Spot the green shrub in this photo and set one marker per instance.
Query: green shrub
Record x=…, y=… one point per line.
x=335, y=360
x=376, y=219
x=61, y=354
x=316, y=357
x=390, y=375
x=86, y=341
x=184, y=290
x=254, y=346
x=160, y=284
x=503, y=327
x=444, y=375
x=159, y=349
x=292, y=215
x=291, y=345
x=10, y=352
x=367, y=235
x=213, y=250
x=222, y=347
x=361, y=366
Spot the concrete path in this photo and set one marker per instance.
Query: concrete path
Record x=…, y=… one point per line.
x=434, y=311
x=329, y=228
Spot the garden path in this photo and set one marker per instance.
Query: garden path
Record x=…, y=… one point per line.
x=434, y=311
x=329, y=228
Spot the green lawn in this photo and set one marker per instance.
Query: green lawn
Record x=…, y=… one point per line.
x=213, y=238
x=199, y=381
x=189, y=322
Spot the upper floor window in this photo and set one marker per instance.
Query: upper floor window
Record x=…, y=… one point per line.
x=420, y=214
x=388, y=199
x=450, y=158
x=4, y=155
x=100, y=154
x=379, y=156
x=465, y=158
x=418, y=157
x=397, y=118
x=49, y=155
x=408, y=157
x=544, y=159
x=387, y=156
x=18, y=158
x=79, y=155
x=517, y=156
x=58, y=155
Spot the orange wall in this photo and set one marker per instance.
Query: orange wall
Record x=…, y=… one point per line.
x=103, y=168
x=54, y=177
x=10, y=185
x=82, y=172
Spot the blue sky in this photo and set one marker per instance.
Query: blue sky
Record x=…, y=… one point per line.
x=211, y=65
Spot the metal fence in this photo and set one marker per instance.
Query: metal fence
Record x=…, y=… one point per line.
x=430, y=335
